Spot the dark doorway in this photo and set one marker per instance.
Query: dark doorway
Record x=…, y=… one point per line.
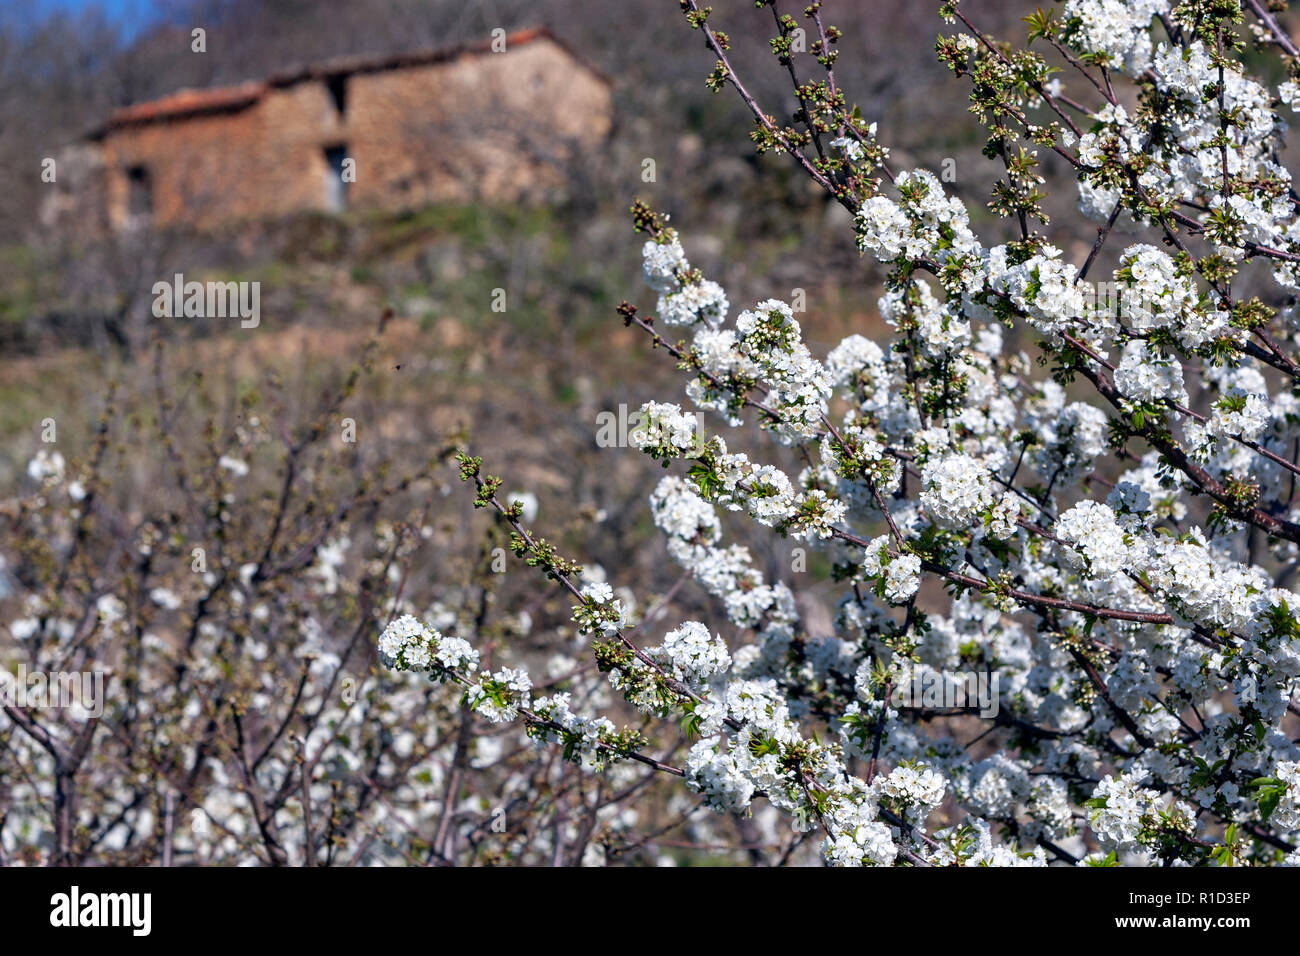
x=139, y=191
x=336, y=188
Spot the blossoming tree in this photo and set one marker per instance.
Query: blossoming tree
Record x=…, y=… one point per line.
x=186, y=666
x=1101, y=524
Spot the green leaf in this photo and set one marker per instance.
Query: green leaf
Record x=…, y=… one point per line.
x=1268, y=801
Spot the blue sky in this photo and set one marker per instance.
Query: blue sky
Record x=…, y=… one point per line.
x=114, y=8
x=131, y=14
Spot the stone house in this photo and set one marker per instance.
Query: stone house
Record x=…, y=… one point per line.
x=498, y=121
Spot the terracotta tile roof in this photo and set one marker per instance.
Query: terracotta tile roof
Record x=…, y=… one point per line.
x=347, y=65
x=190, y=102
